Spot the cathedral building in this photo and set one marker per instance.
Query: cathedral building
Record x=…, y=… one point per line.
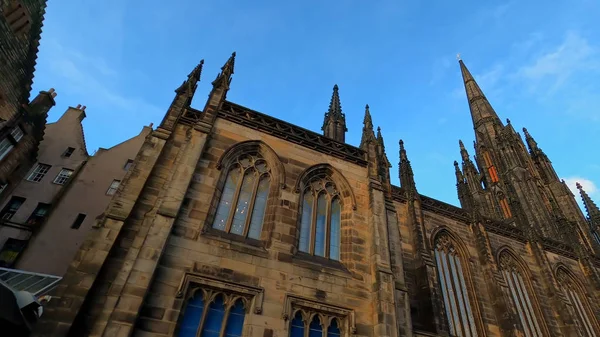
x=234, y=223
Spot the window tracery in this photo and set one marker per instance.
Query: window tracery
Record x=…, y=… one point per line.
x=572, y=292
x=461, y=320
x=213, y=313
x=320, y=219
x=519, y=292
x=243, y=200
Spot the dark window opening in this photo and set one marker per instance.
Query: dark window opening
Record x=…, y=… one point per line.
x=78, y=221
x=128, y=164
x=68, y=152
x=11, y=208
x=39, y=214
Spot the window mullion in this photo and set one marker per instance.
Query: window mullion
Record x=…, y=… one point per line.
x=313, y=225
x=225, y=318
x=251, y=204
x=328, y=226
x=204, y=313
x=234, y=201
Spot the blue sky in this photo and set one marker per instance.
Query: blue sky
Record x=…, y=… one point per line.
x=537, y=61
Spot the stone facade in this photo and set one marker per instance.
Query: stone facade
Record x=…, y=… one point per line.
x=404, y=265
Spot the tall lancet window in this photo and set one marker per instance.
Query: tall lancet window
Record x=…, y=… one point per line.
x=520, y=294
x=321, y=217
x=243, y=200
x=460, y=315
x=572, y=290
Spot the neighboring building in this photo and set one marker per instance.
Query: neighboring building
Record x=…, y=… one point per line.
x=92, y=185
x=21, y=122
x=47, y=215
x=232, y=223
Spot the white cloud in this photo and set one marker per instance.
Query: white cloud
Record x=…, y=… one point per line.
x=587, y=185
x=554, y=67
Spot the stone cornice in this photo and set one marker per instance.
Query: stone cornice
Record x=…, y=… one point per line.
x=292, y=133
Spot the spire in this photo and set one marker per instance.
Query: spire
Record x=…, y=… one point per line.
x=380, y=138
x=367, y=134
x=481, y=110
x=335, y=107
x=531, y=143
x=189, y=86
x=224, y=77
x=463, y=152
x=459, y=176
x=407, y=179
x=334, y=125
x=592, y=210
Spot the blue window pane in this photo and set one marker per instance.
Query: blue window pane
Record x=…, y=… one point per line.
x=214, y=318
x=334, y=236
x=305, y=222
x=243, y=202
x=191, y=316
x=297, y=329
x=235, y=321
x=260, y=203
x=226, y=199
x=315, y=329
x=321, y=223
x=334, y=329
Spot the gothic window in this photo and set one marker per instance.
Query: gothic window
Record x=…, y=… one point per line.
x=578, y=303
x=490, y=167
x=460, y=316
x=210, y=313
x=504, y=205
x=520, y=295
x=243, y=201
x=320, y=325
x=320, y=219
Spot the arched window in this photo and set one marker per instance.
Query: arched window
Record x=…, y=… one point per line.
x=205, y=312
x=320, y=325
x=297, y=325
x=243, y=200
x=320, y=219
x=520, y=294
x=579, y=304
x=460, y=316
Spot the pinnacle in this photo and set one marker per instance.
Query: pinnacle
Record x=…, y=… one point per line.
x=226, y=71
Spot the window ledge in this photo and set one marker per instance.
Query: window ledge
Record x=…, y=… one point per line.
x=237, y=242
x=320, y=263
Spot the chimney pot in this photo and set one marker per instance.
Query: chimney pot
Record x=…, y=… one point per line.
x=53, y=94
x=51, y=90
x=83, y=108
x=78, y=106
x=151, y=125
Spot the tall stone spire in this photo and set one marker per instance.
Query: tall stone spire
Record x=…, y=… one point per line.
x=483, y=115
x=334, y=125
